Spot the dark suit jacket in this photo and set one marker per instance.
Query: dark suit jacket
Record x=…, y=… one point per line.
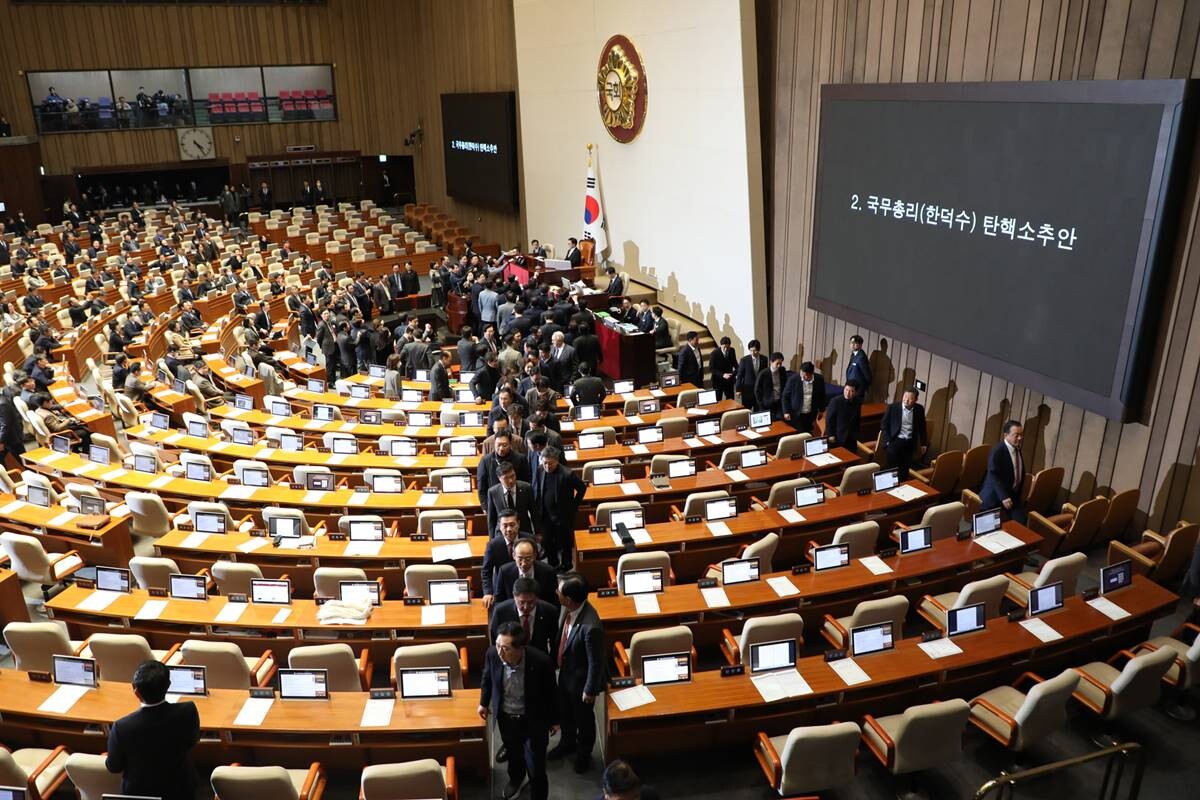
x=748, y=369
x=841, y=421
x=892, y=417
x=564, y=504
x=545, y=624
x=616, y=287
x=574, y=256
x=543, y=573
x=439, y=382
x=584, y=664
x=152, y=747
x=720, y=363
x=998, y=483
x=859, y=368
x=690, y=369
x=541, y=697
x=588, y=391
x=495, y=502
x=662, y=333
x=793, y=393
x=764, y=389
x=495, y=556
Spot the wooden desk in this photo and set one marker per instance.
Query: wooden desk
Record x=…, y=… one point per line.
x=292, y=731
x=66, y=393
x=680, y=445
x=314, y=429
x=12, y=601
x=693, y=547
x=627, y=355
x=712, y=711
x=56, y=529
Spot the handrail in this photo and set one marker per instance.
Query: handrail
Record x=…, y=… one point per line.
x=1005, y=785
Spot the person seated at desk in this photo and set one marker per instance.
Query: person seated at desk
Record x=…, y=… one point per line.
x=42, y=373
x=536, y=249
x=177, y=339
x=134, y=388
x=151, y=748
x=56, y=420
x=117, y=341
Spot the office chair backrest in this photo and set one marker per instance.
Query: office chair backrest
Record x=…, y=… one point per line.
x=226, y=666
x=589, y=469
x=418, y=576
x=930, y=735
x=818, y=757
x=989, y=591
x=1121, y=508
x=90, y=777
x=647, y=559
x=34, y=644
x=658, y=464
x=764, y=550
x=1045, y=708
x=275, y=512
x=673, y=427
x=1139, y=683
x=1084, y=525
x=791, y=444
x=974, y=468
x=943, y=519
x=425, y=519
x=337, y=658
x=947, y=468
x=300, y=473
x=857, y=477
x=27, y=557
x=657, y=642
x=211, y=507
x=1064, y=568
x=1044, y=489
x=152, y=572
x=774, y=628
x=1181, y=542
x=410, y=780
x=886, y=609
x=253, y=783
x=694, y=504
x=731, y=457
x=730, y=420
x=326, y=580
x=118, y=654
x=861, y=536
x=329, y=437
x=234, y=577
x=440, y=654
x=784, y=492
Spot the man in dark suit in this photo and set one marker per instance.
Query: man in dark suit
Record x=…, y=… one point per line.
x=751, y=364
x=573, y=253
x=769, y=386
x=327, y=340
x=842, y=416
x=723, y=366
x=381, y=298
x=151, y=747
x=902, y=432
x=1006, y=470
x=858, y=368
x=536, y=616
x=580, y=655
x=262, y=319
x=616, y=287
x=439, y=377
x=526, y=565
x=410, y=281
x=645, y=317
x=803, y=397
x=588, y=390
x=536, y=250
x=264, y=198
x=689, y=361
x=499, y=551
x=509, y=493
x=12, y=434
x=517, y=688
x=557, y=493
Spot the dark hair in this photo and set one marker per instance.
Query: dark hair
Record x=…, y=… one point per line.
x=912, y=390
x=620, y=778
x=573, y=586
x=501, y=434
x=777, y=356
x=726, y=340
x=513, y=630
x=508, y=512
x=755, y=344
x=538, y=438
x=1010, y=424
x=552, y=453
x=151, y=680
x=524, y=586
x=854, y=384
x=693, y=335
x=585, y=368
x=856, y=339
x=504, y=467
x=807, y=366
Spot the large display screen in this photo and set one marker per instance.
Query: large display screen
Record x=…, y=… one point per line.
x=1020, y=228
x=479, y=133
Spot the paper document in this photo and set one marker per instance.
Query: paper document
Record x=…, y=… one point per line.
x=719, y=528
x=232, y=612
x=337, y=458
x=715, y=597
x=824, y=459
x=115, y=474
x=98, y=601
x=455, y=461
x=254, y=711
x=692, y=441
x=875, y=565
x=639, y=449
x=566, y=426
x=782, y=586
x=906, y=494
x=195, y=539
x=160, y=481
x=997, y=542
x=657, y=393
x=627, y=396
x=151, y=609
x=635, y=420
x=359, y=499
x=10, y=508
x=62, y=519
x=696, y=412
x=313, y=498
x=377, y=713
x=52, y=458
x=630, y=488
x=427, y=500
x=63, y=698
x=791, y=515
x=362, y=548
x=646, y=603
x=940, y=648
x=250, y=545
x=571, y=455
x=849, y=671
x=713, y=439
x=120, y=511
x=1040, y=629
x=1108, y=608
x=737, y=475
x=778, y=685
x=750, y=433
x=281, y=616
x=634, y=696
x=433, y=615
x=221, y=447
x=175, y=438
x=238, y=493
x=450, y=552
x=297, y=543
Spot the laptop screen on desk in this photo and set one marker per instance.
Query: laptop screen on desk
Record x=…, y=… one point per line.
x=190, y=681
x=92, y=505
x=144, y=462
x=376, y=370
x=605, y=476
x=871, y=639
x=316, y=385
x=390, y=484
x=739, y=570
x=291, y=443
x=255, y=477
x=885, y=479
x=650, y=406
x=344, y=445
x=304, y=684
x=359, y=592
x=360, y=391
x=642, y=581
x=197, y=471
x=273, y=591
x=209, y=521
x=412, y=395
x=464, y=396
x=684, y=468
x=913, y=540
x=967, y=619
x=815, y=446
x=588, y=412
x=187, y=587
x=112, y=579
x=99, y=454
x=809, y=495
x=707, y=397
x=753, y=458
x=424, y=683
x=831, y=556
x=1045, y=599
x=243, y=436
x=760, y=419
x=985, y=522
x=449, y=530
x=281, y=408
x=708, y=427
x=1116, y=576
x=323, y=413
x=243, y=401
x=449, y=593
x=591, y=441
x=37, y=495
x=767, y=656
x=462, y=448
x=370, y=416
x=456, y=483
x=197, y=428
x=623, y=387
x=17, y=793
x=284, y=527
x=720, y=508
x=633, y=518
x=60, y=444
x=160, y=421
x=650, y=435
x=365, y=530
x=402, y=447
x=75, y=671
x=667, y=668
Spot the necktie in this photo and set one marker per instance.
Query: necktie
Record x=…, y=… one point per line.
x=508, y=497
x=1018, y=470
x=562, y=641
x=528, y=628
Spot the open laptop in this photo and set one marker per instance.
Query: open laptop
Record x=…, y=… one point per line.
x=667, y=668
x=281, y=408
x=453, y=592
x=376, y=370
x=304, y=684
x=18, y=793
x=760, y=420
x=623, y=386
x=831, y=556
x=813, y=495
x=885, y=479
x=1044, y=599
x=967, y=619
x=681, y=469
x=815, y=446
x=651, y=434
x=389, y=484
x=159, y=421
x=707, y=397
x=470, y=419
x=284, y=527
x=359, y=591
x=244, y=402
x=113, y=579
x=402, y=447
x=708, y=427
x=448, y=530
x=753, y=458
x=365, y=530
x=985, y=522
x=243, y=436
x=37, y=495
x=60, y=444
x=642, y=581
x=99, y=454
x=587, y=413
x=772, y=656
x=190, y=681
x=316, y=385
x=1116, y=576
x=197, y=471
x=650, y=406
x=271, y=591
x=92, y=505
x=370, y=416
x=914, y=540
x=197, y=428
x=187, y=587
x=420, y=419
x=423, y=375
x=739, y=570
x=291, y=443
x=606, y=476
x=456, y=483
x=720, y=508
x=869, y=639
x=253, y=476
x=73, y=671
x=670, y=379
x=412, y=396
x=360, y=391
x=323, y=413
x=462, y=448
x=632, y=518
x=209, y=521
x=144, y=462
x=345, y=445
x=424, y=683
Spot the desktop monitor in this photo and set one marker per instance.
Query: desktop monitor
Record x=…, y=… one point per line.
x=99, y=454
x=589, y=412
x=291, y=443
x=753, y=458
x=813, y=495
x=632, y=518
x=870, y=639
x=37, y=495
x=178, y=386
x=304, y=684
x=769, y=656
x=370, y=417
x=159, y=421
x=1116, y=576
x=650, y=406
x=606, y=476
x=272, y=591
x=423, y=375
x=466, y=376
x=197, y=428
x=424, y=683
x=642, y=581
x=360, y=391
x=316, y=385
x=720, y=508
x=967, y=619
x=281, y=408
x=681, y=469
x=92, y=505
x=365, y=530
x=448, y=530
x=666, y=668
x=831, y=556
x=471, y=419
x=1044, y=599
x=462, y=447
x=244, y=402
x=310, y=358
x=188, y=680
x=113, y=579
x=985, y=522
x=389, y=484
x=253, y=476
x=623, y=386
x=18, y=793
x=187, y=587
x=412, y=396
x=402, y=447
x=814, y=446
x=885, y=479
x=359, y=592
x=650, y=435
x=914, y=540
x=198, y=471
x=60, y=444
x=375, y=370
x=243, y=436
x=345, y=445
x=74, y=671
x=452, y=592
x=760, y=419
x=209, y=521
x=456, y=483
x=144, y=462
x=323, y=413
x=708, y=427
x=284, y=527
x=707, y=397
x=464, y=396
x=670, y=379
x=591, y=441
x=739, y=570
x=420, y=419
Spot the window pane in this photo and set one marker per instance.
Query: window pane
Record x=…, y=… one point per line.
x=72, y=101
x=227, y=95
x=300, y=93
x=150, y=98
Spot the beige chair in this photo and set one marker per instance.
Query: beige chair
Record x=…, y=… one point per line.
x=644, y=559
x=673, y=427
x=693, y=505
x=989, y=591
x=439, y=654
x=1075, y=532
x=756, y=630
x=34, y=644
x=869, y=612
x=90, y=777
x=604, y=510
x=256, y=783
x=148, y=516
x=326, y=580
x=425, y=519
x=974, y=469
x=923, y=737
x=944, y=473
x=418, y=576
x=784, y=493
x=1110, y=693
x=118, y=654
x=658, y=464
x=424, y=779
x=226, y=667
x=857, y=477
x=1063, y=568
x=39, y=771
x=731, y=420
x=731, y=457
x=763, y=549
x=1016, y=719
x=275, y=512
x=1161, y=558
x=233, y=577
x=590, y=468
x=1121, y=508
x=650, y=643
x=301, y=472
x=1043, y=490
x=943, y=520
x=153, y=572
x=861, y=537
x=810, y=758
x=244, y=525
x=32, y=564
x=1185, y=672
x=345, y=673
x=790, y=445
x=687, y=398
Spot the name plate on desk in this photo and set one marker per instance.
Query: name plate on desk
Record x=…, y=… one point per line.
x=37, y=676
x=1090, y=594
x=888, y=553
x=238, y=598
x=863, y=492
x=155, y=592
x=84, y=583
x=596, y=529
x=622, y=683
x=430, y=490
x=1016, y=615
x=962, y=536
x=692, y=520
x=802, y=569
x=262, y=692
x=414, y=601
x=607, y=591
x=336, y=537
x=706, y=583
x=834, y=655
x=728, y=671
x=383, y=694
x=419, y=537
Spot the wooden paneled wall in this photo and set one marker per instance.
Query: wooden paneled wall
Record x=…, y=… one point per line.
x=859, y=41
x=393, y=59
